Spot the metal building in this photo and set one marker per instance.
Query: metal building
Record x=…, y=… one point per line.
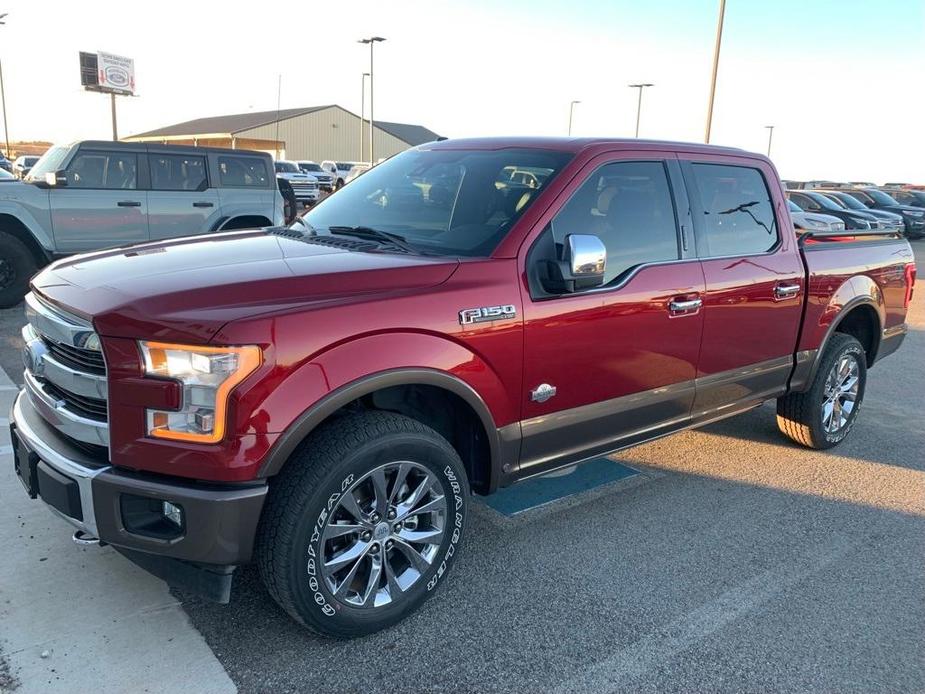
x=315, y=132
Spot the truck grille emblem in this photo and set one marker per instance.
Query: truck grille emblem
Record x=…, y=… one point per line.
x=487, y=313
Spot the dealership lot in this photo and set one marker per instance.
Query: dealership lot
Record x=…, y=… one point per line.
x=735, y=560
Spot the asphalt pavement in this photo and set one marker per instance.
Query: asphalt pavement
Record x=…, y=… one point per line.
x=737, y=561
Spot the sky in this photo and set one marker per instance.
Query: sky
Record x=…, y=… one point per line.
x=841, y=80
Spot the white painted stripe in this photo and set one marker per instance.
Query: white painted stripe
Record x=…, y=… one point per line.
x=617, y=672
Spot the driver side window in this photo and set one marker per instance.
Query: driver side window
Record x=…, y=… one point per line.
x=628, y=205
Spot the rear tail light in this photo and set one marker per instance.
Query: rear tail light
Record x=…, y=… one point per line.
x=910, y=284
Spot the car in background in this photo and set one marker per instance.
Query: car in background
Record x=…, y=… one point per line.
x=23, y=165
x=914, y=198
x=874, y=199
x=356, y=171
x=891, y=220
x=810, y=221
x=340, y=170
x=304, y=186
x=6, y=176
x=813, y=201
x=325, y=178
x=5, y=164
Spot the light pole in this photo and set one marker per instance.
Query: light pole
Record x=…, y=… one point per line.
x=571, y=112
x=6, y=132
x=640, y=87
x=362, y=112
x=770, y=135
x=372, y=40
x=719, y=40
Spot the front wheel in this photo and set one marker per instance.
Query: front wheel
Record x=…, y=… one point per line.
x=17, y=265
x=823, y=416
x=363, y=523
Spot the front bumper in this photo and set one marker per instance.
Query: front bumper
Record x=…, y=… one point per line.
x=220, y=520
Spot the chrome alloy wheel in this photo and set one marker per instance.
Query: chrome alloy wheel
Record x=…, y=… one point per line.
x=841, y=393
x=383, y=534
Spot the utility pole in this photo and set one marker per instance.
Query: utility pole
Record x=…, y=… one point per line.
x=362, y=112
x=770, y=135
x=640, y=87
x=115, y=129
x=372, y=40
x=719, y=40
x=571, y=112
x=6, y=131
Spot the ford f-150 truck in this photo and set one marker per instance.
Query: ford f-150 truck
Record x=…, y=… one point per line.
x=323, y=399
x=92, y=195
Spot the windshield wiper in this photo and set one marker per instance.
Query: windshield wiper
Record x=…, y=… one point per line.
x=369, y=234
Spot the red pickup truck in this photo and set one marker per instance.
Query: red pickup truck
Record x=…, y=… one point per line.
x=322, y=399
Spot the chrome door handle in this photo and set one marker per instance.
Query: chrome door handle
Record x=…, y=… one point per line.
x=785, y=291
x=684, y=305
x=203, y=204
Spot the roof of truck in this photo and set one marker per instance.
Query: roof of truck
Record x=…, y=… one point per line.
x=578, y=144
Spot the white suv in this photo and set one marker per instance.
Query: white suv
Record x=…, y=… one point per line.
x=340, y=169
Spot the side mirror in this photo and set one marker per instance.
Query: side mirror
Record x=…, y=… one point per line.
x=55, y=179
x=582, y=266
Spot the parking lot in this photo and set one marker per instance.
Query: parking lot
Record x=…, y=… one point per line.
x=735, y=561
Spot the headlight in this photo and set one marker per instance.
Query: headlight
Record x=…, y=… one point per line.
x=838, y=226
x=915, y=215
x=816, y=224
x=207, y=376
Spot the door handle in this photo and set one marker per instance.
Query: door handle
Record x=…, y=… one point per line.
x=786, y=291
x=683, y=307
x=203, y=204
x=128, y=203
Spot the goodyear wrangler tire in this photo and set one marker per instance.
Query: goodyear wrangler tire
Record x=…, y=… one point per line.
x=363, y=523
x=823, y=416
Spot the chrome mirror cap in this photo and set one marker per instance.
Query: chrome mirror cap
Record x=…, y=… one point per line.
x=586, y=255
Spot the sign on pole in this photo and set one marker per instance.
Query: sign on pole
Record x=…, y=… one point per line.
x=108, y=73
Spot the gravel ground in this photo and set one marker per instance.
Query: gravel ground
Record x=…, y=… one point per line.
x=736, y=562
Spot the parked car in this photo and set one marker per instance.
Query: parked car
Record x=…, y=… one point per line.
x=814, y=201
x=913, y=198
x=914, y=217
x=5, y=164
x=889, y=220
x=6, y=176
x=323, y=399
x=340, y=170
x=810, y=221
x=357, y=170
x=305, y=186
x=23, y=165
x=91, y=195
x=325, y=179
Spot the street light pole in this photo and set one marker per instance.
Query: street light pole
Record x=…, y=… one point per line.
x=362, y=112
x=640, y=87
x=6, y=132
x=372, y=40
x=571, y=112
x=770, y=135
x=719, y=40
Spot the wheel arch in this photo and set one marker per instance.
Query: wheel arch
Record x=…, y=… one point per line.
x=15, y=227
x=244, y=221
x=482, y=456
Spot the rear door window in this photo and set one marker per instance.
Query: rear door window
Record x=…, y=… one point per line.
x=243, y=172
x=737, y=211
x=178, y=172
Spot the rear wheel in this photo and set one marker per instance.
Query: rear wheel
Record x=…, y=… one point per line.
x=363, y=523
x=823, y=416
x=17, y=265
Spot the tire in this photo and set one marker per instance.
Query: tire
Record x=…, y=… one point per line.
x=339, y=184
x=304, y=533
x=812, y=418
x=17, y=265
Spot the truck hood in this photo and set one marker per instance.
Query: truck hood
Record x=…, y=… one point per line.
x=187, y=289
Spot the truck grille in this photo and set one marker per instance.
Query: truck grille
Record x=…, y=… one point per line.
x=303, y=187
x=65, y=379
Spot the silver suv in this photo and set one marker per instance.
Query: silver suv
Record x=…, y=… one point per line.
x=93, y=195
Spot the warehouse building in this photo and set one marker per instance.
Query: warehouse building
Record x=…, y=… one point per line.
x=316, y=133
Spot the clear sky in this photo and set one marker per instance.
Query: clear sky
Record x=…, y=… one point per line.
x=842, y=80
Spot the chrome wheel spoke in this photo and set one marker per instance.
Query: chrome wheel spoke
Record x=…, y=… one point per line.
x=373, y=581
x=380, y=488
x=414, y=498
x=436, y=504
x=828, y=409
x=352, y=553
x=340, y=529
x=412, y=555
x=427, y=537
x=391, y=580
x=400, y=476
x=341, y=590
x=349, y=503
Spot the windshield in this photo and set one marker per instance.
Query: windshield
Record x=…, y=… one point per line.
x=881, y=198
x=823, y=201
x=310, y=167
x=448, y=202
x=50, y=162
x=286, y=167
x=849, y=201
x=792, y=206
x=345, y=165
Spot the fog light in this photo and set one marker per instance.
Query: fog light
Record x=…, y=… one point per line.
x=173, y=513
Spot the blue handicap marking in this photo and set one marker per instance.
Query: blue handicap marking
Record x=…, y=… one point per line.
x=531, y=493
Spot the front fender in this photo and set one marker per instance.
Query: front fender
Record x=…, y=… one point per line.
x=316, y=389
x=36, y=219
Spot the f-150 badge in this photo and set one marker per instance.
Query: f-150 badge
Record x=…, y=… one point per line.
x=487, y=313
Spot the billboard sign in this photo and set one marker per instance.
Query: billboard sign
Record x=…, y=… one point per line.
x=106, y=72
